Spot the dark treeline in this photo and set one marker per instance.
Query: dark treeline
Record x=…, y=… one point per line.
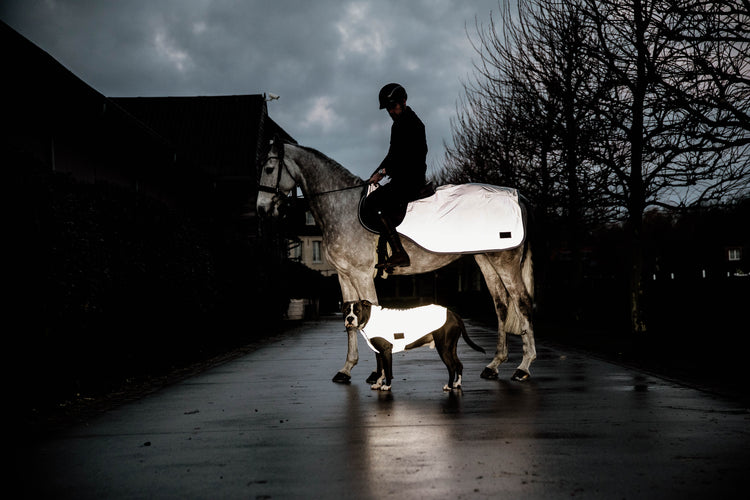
x=600, y=112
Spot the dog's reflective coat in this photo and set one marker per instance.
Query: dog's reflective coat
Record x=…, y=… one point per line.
x=388, y=331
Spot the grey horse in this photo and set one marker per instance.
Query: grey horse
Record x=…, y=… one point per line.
x=332, y=193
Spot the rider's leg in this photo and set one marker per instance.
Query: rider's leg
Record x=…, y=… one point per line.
x=399, y=257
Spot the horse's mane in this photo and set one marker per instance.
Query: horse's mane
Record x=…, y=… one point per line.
x=333, y=164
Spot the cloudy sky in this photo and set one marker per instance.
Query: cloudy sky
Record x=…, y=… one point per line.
x=326, y=59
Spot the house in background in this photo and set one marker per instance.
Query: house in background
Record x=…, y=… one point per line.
x=190, y=155
x=306, y=245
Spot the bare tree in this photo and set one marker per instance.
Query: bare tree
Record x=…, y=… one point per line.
x=529, y=114
x=602, y=108
x=668, y=136
x=708, y=85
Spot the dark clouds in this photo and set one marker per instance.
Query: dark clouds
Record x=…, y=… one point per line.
x=326, y=59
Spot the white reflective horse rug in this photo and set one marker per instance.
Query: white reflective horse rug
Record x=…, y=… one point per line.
x=465, y=218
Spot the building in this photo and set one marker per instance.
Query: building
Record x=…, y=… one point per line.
x=225, y=137
x=178, y=149
x=193, y=157
x=306, y=245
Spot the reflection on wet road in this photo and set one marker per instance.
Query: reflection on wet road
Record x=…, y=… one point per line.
x=272, y=425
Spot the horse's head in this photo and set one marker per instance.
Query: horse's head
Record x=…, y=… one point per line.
x=275, y=182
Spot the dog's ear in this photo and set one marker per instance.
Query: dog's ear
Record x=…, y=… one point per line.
x=364, y=314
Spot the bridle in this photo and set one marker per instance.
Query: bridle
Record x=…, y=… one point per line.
x=282, y=165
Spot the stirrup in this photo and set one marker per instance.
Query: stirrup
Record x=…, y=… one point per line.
x=401, y=261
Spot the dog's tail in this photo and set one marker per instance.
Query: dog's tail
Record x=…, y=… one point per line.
x=465, y=335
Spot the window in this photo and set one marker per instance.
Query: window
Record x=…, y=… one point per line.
x=309, y=219
x=734, y=254
x=295, y=251
x=316, y=254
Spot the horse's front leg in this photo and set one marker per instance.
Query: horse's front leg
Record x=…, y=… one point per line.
x=352, y=358
x=354, y=286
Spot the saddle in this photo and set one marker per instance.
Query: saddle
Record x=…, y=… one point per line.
x=395, y=213
x=462, y=218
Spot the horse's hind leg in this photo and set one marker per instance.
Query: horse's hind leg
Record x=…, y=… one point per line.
x=529, y=355
x=500, y=299
x=518, y=283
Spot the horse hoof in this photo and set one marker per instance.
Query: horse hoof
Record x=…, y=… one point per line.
x=520, y=376
x=372, y=378
x=489, y=374
x=342, y=378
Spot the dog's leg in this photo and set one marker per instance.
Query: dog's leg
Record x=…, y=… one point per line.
x=378, y=383
x=442, y=343
x=387, y=369
x=385, y=360
x=457, y=366
x=374, y=376
x=451, y=376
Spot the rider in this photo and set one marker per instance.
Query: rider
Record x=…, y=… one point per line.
x=405, y=164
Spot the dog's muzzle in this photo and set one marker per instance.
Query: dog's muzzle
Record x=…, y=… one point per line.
x=350, y=321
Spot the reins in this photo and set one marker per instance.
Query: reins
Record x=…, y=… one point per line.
x=282, y=164
x=337, y=190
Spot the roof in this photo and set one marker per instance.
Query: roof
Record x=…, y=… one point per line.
x=224, y=135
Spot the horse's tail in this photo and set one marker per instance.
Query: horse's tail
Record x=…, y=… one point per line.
x=465, y=335
x=527, y=269
x=527, y=262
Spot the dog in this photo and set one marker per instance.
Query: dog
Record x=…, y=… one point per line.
x=389, y=331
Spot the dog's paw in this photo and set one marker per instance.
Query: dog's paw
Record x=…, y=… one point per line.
x=385, y=387
x=375, y=387
x=447, y=388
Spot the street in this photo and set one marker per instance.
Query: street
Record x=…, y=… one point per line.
x=272, y=425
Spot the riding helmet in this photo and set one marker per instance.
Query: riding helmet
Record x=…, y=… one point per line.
x=393, y=92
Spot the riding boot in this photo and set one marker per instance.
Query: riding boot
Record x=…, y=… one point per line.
x=382, y=253
x=399, y=257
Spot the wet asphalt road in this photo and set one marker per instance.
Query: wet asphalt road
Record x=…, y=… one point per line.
x=272, y=425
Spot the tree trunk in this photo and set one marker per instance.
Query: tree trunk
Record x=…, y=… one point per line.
x=635, y=296
x=637, y=205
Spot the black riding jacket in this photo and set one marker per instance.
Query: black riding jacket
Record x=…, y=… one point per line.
x=406, y=160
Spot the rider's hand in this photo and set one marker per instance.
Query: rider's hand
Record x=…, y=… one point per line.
x=376, y=177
